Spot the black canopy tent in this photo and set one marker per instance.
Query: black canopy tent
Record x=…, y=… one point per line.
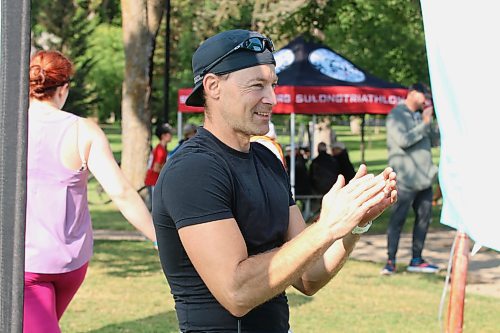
x=313, y=79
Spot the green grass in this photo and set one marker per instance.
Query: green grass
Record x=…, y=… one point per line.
x=125, y=291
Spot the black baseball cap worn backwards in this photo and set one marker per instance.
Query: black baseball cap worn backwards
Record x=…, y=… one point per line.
x=227, y=52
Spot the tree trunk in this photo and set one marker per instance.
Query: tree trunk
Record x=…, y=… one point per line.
x=140, y=22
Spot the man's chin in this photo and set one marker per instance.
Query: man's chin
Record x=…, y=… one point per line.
x=262, y=131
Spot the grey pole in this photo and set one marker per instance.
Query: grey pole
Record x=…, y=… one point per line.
x=14, y=69
x=313, y=136
x=179, y=125
x=292, y=153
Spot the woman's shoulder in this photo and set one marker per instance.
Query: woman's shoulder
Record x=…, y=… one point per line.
x=91, y=133
x=89, y=127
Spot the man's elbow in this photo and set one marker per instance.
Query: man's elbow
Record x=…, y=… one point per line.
x=237, y=311
x=310, y=292
x=310, y=288
x=237, y=304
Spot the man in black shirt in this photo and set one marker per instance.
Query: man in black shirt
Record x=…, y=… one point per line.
x=302, y=181
x=230, y=236
x=324, y=170
x=341, y=155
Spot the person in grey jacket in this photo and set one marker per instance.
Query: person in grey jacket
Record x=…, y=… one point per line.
x=410, y=136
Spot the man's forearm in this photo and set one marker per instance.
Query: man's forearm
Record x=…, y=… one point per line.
x=280, y=267
x=327, y=266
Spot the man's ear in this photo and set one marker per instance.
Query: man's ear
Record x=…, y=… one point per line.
x=211, y=84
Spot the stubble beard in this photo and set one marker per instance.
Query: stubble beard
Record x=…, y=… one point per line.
x=248, y=126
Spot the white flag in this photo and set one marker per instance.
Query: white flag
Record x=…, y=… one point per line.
x=464, y=62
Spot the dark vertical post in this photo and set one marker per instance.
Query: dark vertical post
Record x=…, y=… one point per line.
x=363, y=139
x=166, y=78
x=14, y=69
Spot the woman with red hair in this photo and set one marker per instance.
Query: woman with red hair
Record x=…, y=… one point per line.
x=62, y=149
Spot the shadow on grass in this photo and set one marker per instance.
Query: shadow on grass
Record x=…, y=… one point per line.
x=126, y=258
x=430, y=277
x=110, y=129
x=295, y=300
x=162, y=322
x=114, y=139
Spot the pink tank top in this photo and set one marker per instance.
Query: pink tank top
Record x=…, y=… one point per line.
x=58, y=226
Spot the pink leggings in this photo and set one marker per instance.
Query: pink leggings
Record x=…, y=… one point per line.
x=46, y=297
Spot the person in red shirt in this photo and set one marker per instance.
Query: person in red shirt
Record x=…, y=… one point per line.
x=157, y=159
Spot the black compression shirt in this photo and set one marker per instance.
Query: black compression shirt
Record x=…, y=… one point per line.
x=207, y=181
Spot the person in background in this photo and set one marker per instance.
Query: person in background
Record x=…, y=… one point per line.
x=324, y=170
x=339, y=152
x=305, y=151
x=62, y=149
x=188, y=132
x=157, y=159
x=269, y=141
x=410, y=136
x=302, y=184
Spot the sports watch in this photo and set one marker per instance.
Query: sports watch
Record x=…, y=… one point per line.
x=361, y=230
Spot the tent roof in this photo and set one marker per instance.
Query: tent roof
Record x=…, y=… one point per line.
x=305, y=63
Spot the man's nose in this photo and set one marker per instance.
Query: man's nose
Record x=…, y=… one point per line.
x=270, y=96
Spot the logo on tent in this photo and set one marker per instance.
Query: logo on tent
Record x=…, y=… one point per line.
x=284, y=58
x=334, y=66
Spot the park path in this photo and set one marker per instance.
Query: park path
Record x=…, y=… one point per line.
x=484, y=267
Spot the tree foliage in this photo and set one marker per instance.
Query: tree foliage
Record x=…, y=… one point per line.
x=385, y=37
x=66, y=26
x=106, y=76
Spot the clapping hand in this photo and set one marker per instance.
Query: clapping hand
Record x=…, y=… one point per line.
x=346, y=206
x=390, y=193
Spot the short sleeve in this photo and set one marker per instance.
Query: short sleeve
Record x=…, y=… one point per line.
x=159, y=155
x=196, y=189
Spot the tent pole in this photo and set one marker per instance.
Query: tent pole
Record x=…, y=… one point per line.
x=313, y=137
x=292, y=153
x=363, y=139
x=179, y=125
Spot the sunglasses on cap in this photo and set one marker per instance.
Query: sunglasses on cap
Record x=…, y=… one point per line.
x=254, y=44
